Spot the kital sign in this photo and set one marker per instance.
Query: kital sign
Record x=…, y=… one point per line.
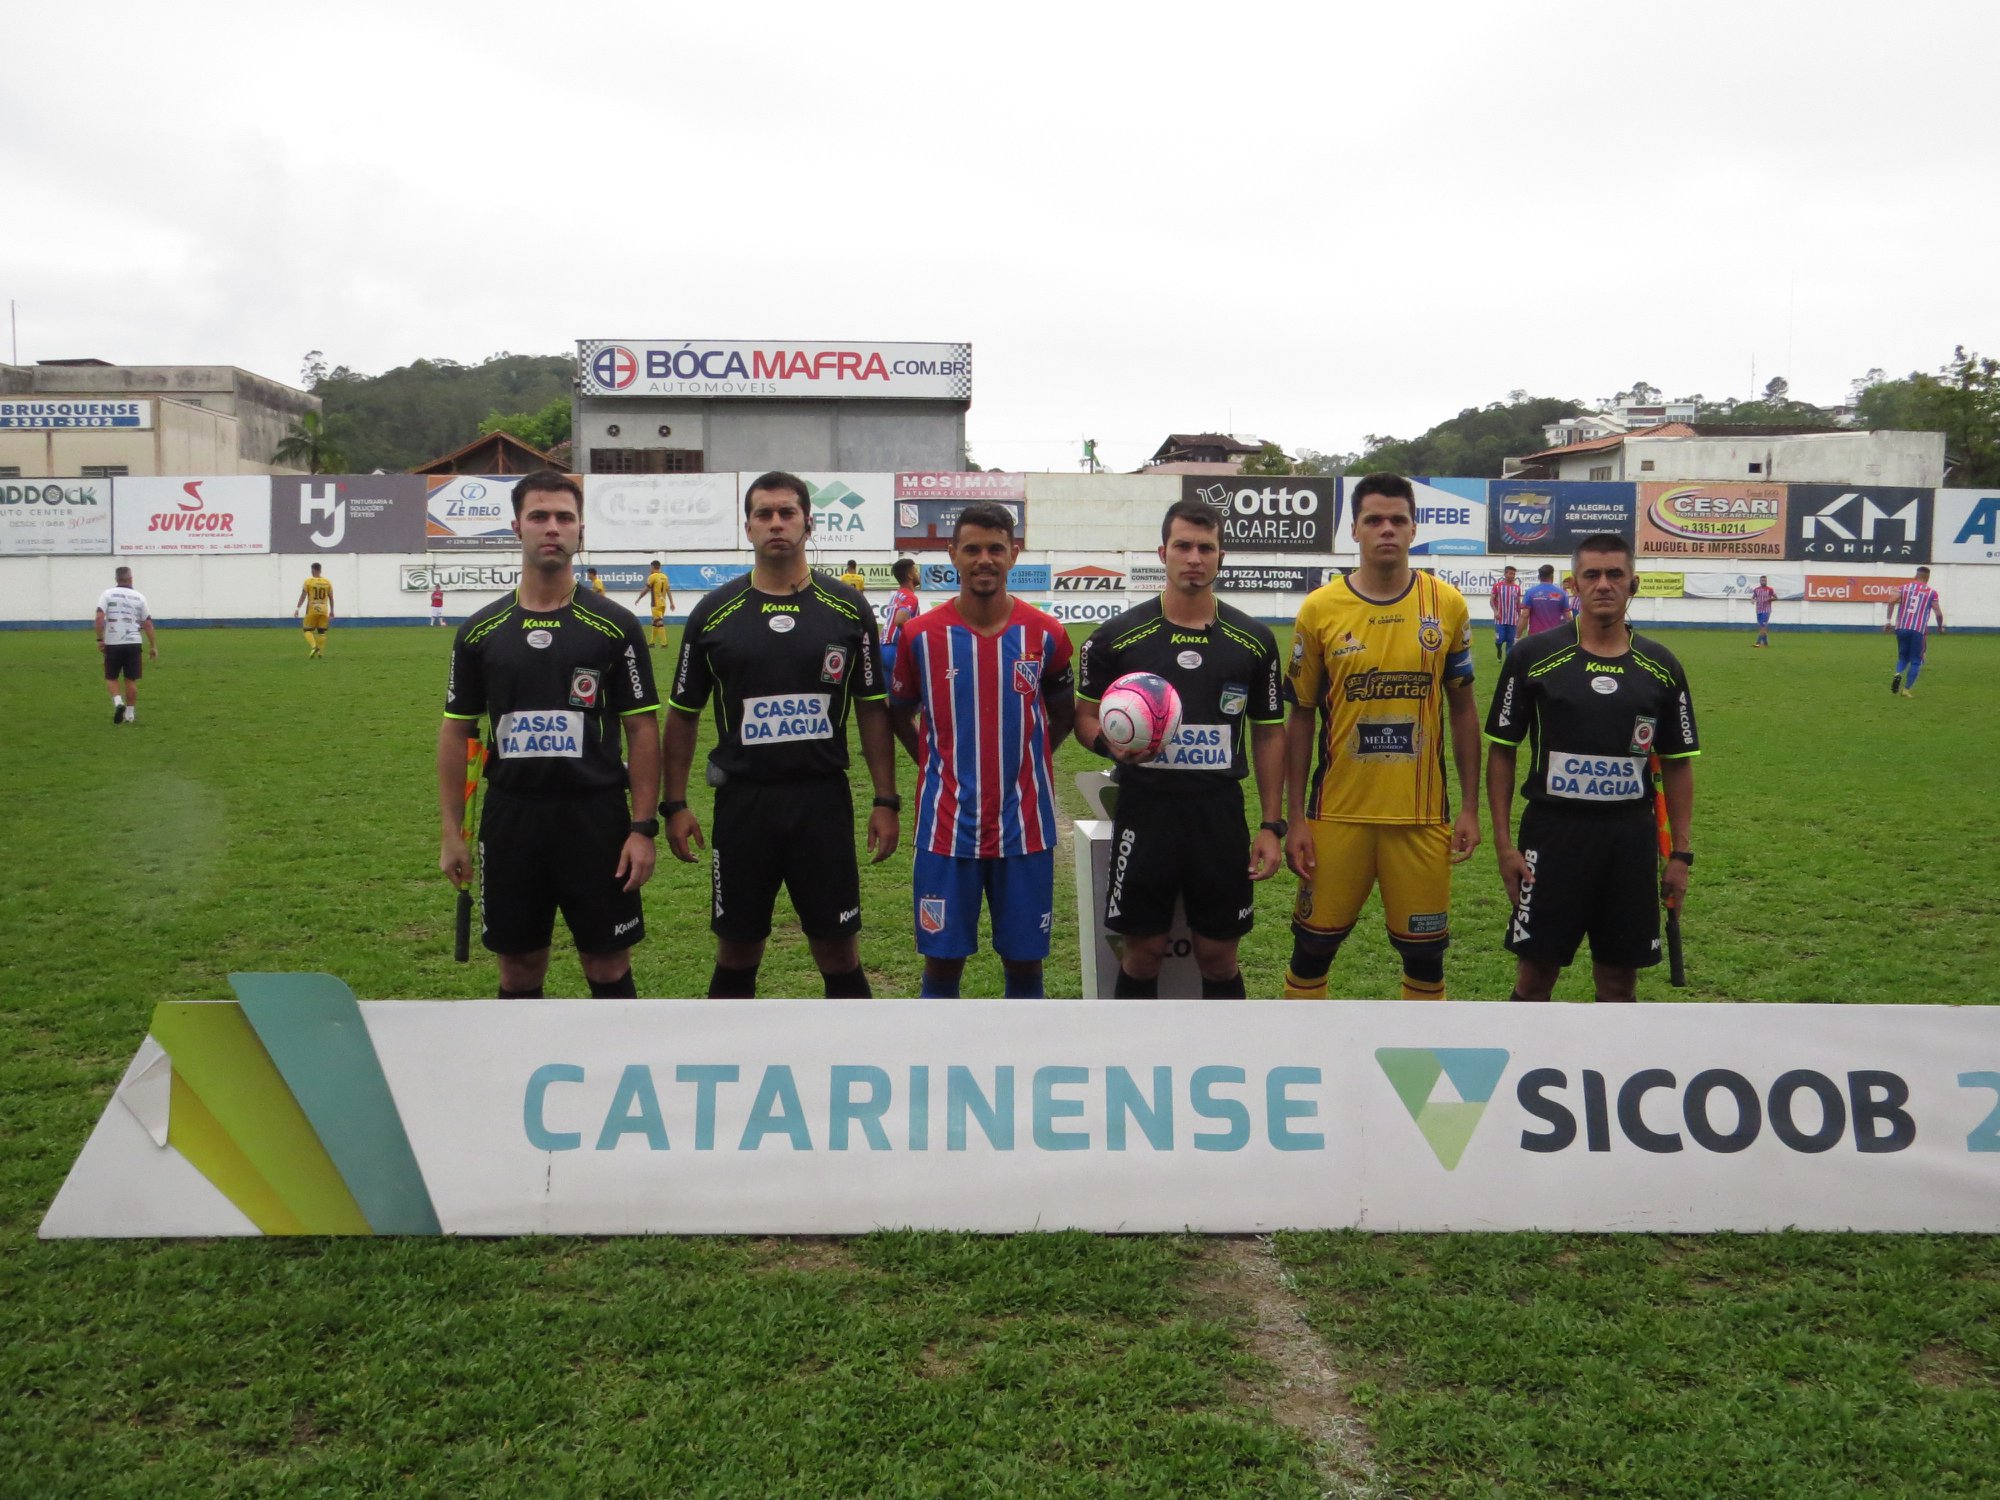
x=297, y=1111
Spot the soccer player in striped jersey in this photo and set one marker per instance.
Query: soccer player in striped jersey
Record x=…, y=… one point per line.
x=1910, y=614
x=1762, y=598
x=316, y=599
x=990, y=676
x=1506, y=602
x=904, y=607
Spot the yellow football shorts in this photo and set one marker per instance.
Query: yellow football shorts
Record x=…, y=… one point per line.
x=315, y=619
x=1410, y=861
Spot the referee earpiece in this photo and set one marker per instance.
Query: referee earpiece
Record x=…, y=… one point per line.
x=1635, y=588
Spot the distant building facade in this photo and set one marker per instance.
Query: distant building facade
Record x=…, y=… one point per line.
x=87, y=418
x=1717, y=451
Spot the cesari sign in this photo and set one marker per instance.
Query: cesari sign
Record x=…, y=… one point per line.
x=296, y=1110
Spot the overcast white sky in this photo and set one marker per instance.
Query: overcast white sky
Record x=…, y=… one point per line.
x=1310, y=226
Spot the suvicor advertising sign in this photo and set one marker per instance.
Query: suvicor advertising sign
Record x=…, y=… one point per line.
x=298, y=1110
x=1712, y=520
x=927, y=525
x=65, y=413
x=218, y=514
x=853, y=512
x=1549, y=517
x=1849, y=523
x=471, y=512
x=55, y=517
x=821, y=372
x=1968, y=527
x=316, y=513
x=922, y=485
x=1261, y=514
x=662, y=512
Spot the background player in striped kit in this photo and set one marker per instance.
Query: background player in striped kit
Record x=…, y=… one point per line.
x=1506, y=603
x=1909, y=616
x=990, y=675
x=904, y=606
x=1762, y=598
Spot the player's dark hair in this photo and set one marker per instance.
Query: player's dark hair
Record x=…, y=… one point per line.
x=1546, y=572
x=1390, y=486
x=1195, y=513
x=315, y=567
x=547, y=482
x=905, y=571
x=121, y=576
x=850, y=565
x=1603, y=541
x=778, y=479
x=1923, y=572
x=1510, y=568
x=984, y=513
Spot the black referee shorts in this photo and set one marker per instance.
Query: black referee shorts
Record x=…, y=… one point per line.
x=540, y=855
x=798, y=834
x=123, y=661
x=1191, y=846
x=1595, y=875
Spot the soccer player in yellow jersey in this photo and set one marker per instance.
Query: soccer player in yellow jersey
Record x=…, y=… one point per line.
x=1378, y=659
x=854, y=578
x=316, y=599
x=596, y=583
x=663, y=599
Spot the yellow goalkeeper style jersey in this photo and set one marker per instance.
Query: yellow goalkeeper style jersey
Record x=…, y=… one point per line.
x=319, y=594
x=1375, y=674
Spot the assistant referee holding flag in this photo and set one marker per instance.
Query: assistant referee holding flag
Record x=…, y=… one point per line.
x=786, y=652
x=556, y=674
x=1594, y=700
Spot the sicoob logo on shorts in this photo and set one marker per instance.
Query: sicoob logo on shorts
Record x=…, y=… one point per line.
x=584, y=686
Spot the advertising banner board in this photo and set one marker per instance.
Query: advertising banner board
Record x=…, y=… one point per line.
x=926, y=525
x=1968, y=527
x=923, y=485
x=66, y=413
x=1547, y=518
x=729, y=367
x=1712, y=520
x=1026, y=578
x=851, y=512
x=1451, y=518
x=226, y=513
x=1829, y=588
x=662, y=512
x=1739, y=585
x=315, y=513
x=1661, y=585
x=1262, y=514
x=459, y=577
x=1845, y=523
x=297, y=1110
x=55, y=517
x=474, y=512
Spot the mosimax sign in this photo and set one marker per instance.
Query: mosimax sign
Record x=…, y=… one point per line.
x=718, y=367
x=1289, y=514
x=299, y=1111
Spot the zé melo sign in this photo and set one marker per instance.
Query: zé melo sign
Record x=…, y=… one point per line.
x=294, y=1109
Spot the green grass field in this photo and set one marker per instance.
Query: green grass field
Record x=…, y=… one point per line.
x=268, y=813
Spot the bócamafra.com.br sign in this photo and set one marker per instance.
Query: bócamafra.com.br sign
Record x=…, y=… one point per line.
x=725, y=367
x=770, y=1117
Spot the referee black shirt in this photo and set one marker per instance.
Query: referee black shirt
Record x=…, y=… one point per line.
x=1591, y=721
x=784, y=670
x=1226, y=674
x=555, y=684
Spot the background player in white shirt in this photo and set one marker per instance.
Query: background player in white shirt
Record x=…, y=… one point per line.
x=122, y=618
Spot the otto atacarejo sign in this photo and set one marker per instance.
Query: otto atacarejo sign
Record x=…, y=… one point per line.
x=725, y=367
x=1261, y=514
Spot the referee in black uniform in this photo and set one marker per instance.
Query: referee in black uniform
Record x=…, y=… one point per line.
x=556, y=675
x=786, y=653
x=1178, y=831
x=1594, y=700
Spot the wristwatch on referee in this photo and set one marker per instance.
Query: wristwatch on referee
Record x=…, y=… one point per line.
x=650, y=827
x=1683, y=856
x=1278, y=826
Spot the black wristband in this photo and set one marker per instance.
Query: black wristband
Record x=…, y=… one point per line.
x=650, y=827
x=668, y=809
x=892, y=802
x=1684, y=857
x=1278, y=826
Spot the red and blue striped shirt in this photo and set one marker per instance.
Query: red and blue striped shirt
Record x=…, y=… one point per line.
x=902, y=599
x=988, y=785
x=1506, y=602
x=1915, y=604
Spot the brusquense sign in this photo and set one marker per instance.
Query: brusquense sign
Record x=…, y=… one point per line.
x=297, y=1110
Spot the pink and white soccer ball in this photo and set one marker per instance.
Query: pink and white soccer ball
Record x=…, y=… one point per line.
x=1140, y=711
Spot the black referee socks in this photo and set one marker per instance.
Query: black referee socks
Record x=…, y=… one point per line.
x=533, y=994
x=733, y=984
x=1125, y=987
x=1223, y=989
x=853, y=985
x=622, y=988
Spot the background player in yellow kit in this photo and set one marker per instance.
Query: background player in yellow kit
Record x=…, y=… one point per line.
x=1376, y=657
x=662, y=595
x=316, y=599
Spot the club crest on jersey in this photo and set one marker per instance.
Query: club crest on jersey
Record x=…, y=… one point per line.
x=930, y=913
x=1028, y=675
x=1430, y=635
x=584, y=686
x=833, y=665
x=1235, y=697
x=1643, y=730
